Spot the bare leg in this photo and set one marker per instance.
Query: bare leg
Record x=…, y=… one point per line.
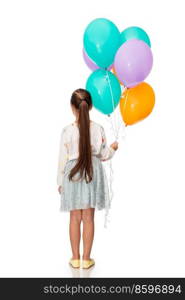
x=88, y=231
x=74, y=231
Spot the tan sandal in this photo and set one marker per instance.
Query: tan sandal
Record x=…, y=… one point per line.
x=86, y=264
x=75, y=263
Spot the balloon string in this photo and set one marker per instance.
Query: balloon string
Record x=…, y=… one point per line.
x=125, y=102
x=113, y=107
x=111, y=179
x=116, y=129
x=108, y=205
x=111, y=173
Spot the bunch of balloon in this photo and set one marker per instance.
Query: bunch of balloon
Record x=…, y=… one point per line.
x=101, y=42
x=120, y=62
x=132, y=64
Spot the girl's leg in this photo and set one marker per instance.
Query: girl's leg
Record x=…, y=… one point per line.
x=88, y=231
x=74, y=231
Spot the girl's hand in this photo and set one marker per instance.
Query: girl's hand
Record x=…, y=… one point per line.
x=114, y=145
x=59, y=189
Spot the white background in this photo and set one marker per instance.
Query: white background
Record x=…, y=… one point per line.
x=40, y=65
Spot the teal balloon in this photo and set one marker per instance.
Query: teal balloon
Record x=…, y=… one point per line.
x=135, y=33
x=101, y=41
x=99, y=84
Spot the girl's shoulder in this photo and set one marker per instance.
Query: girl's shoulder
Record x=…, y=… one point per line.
x=67, y=128
x=95, y=124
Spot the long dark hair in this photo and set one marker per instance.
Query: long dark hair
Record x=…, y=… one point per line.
x=81, y=100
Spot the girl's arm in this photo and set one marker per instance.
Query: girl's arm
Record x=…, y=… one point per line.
x=106, y=152
x=63, y=157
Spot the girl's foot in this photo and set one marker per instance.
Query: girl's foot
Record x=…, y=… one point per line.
x=75, y=263
x=87, y=263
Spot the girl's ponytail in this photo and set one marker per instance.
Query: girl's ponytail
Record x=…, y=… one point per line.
x=81, y=99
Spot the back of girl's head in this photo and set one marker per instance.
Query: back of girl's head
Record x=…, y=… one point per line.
x=78, y=96
x=82, y=102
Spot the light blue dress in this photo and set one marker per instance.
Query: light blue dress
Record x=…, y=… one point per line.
x=81, y=195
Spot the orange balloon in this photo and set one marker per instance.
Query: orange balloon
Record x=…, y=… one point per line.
x=137, y=103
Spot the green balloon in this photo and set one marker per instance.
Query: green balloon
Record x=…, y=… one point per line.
x=135, y=33
x=101, y=41
x=105, y=90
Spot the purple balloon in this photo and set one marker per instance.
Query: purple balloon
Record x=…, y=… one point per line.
x=90, y=63
x=133, y=62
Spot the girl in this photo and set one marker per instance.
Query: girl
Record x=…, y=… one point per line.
x=81, y=177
